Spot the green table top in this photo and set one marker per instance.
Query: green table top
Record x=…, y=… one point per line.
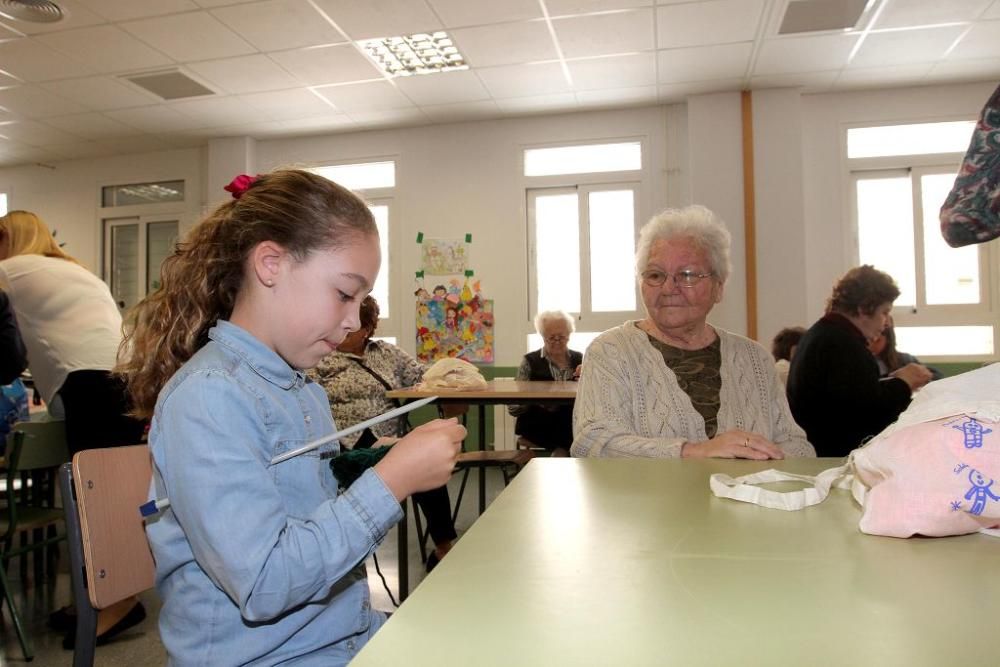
x=635, y=562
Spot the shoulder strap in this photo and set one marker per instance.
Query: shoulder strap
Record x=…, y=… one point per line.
x=744, y=489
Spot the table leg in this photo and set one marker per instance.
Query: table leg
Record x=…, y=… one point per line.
x=482, y=469
x=402, y=559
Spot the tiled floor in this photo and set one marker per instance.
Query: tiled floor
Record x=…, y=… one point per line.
x=141, y=645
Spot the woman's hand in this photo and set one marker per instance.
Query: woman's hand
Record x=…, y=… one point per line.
x=423, y=459
x=733, y=444
x=915, y=375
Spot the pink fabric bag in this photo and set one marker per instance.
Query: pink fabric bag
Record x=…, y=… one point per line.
x=934, y=472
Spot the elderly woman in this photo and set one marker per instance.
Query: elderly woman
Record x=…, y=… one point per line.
x=672, y=385
x=783, y=349
x=548, y=427
x=833, y=386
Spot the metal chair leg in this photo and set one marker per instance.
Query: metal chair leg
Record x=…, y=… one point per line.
x=22, y=637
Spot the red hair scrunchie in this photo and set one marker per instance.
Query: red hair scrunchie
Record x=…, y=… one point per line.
x=240, y=184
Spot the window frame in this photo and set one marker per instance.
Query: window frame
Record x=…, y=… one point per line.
x=109, y=220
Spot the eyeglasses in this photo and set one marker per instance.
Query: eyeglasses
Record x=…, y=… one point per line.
x=685, y=278
x=557, y=338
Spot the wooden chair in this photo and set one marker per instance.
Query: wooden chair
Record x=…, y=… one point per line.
x=109, y=556
x=34, y=451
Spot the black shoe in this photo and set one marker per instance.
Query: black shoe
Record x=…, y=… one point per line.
x=134, y=616
x=432, y=561
x=61, y=620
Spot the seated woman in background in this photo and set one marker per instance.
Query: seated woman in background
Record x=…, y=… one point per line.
x=889, y=359
x=672, y=385
x=833, y=387
x=356, y=377
x=783, y=349
x=548, y=426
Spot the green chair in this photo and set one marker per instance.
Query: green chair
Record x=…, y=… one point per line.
x=35, y=450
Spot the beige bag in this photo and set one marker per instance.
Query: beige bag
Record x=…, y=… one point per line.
x=453, y=374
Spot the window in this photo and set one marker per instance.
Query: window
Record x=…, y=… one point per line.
x=374, y=182
x=136, y=194
x=3, y=203
x=944, y=308
x=582, y=233
x=134, y=249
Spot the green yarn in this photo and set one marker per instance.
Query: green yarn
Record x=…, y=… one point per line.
x=350, y=465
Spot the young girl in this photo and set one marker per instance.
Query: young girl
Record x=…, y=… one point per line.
x=259, y=563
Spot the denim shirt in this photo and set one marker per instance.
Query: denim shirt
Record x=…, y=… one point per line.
x=257, y=564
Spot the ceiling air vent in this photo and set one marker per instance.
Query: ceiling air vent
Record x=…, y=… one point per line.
x=169, y=85
x=821, y=15
x=35, y=11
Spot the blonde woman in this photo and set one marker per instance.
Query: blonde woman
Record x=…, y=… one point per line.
x=72, y=329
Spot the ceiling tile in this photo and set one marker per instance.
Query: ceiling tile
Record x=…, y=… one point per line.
x=245, y=74
x=679, y=92
x=76, y=15
x=703, y=63
x=614, y=71
x=354, y=98
x=159, y=118
x=455, y=13
x=218, y=112
x=34, y=102
x=702, y=23
x=367, y=19
x=118, y=50
x=539, y=104
x=34, y=133
x=809, y=82
x=982, y=41
x=7, y=32
x=568, y=7
x=31, y=60
x=879, y=76
x=100, y=93
x=327, y=64
x=279, y=24
x=7, y=80
x=442, y=88
x=907, y=13
x=126, y=10
x=905, y=47
x=804, y=54
x=450, y=113
x=495, y=45
x=524, y=80
x=91, y=126
x=335, y=122
x=617, y=97
x=189, y=37
x=288, y=104
x=389, y=117
x=221, y=3
x=993, y=12
x=605, y=34
x=987, y=69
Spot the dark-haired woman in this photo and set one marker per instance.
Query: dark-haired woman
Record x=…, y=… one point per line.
x=834, y=388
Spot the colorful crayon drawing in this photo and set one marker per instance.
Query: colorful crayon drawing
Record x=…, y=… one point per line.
x=454, y=322
x=442, y=257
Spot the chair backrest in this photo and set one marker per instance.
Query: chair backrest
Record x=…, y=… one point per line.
x=43, y=445
x=110, y=485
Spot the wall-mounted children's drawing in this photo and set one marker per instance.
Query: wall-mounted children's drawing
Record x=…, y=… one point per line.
x=454, y=320
x=443, y=257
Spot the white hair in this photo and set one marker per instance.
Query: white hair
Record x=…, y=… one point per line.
x=552, y=316
x=694, y=222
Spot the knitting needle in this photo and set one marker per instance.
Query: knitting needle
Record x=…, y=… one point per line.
x=154, y=506
x=392, y=414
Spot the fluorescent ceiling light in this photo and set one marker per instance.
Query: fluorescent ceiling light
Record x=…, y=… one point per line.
x=422, y=53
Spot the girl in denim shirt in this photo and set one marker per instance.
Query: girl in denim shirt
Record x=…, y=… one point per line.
x=261, y=564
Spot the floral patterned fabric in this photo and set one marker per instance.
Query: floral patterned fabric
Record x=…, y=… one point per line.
x=971, y=212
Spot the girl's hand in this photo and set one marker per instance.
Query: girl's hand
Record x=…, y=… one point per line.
x=423, y=459
x=733, y=444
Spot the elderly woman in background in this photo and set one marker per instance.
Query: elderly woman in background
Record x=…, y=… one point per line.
x=544, y=426
x=833, y=386
x=672, y=385
x=783, y=349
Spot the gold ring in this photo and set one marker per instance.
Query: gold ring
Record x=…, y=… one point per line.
x=746, y=443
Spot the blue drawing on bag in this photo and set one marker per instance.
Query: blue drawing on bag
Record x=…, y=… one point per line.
x=980, y=491
x=973, y=432
x=956, y=505
x=960, y=467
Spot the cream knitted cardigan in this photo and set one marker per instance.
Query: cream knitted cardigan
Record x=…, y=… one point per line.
x=630, y=405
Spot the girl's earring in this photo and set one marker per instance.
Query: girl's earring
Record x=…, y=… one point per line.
x=270, y=283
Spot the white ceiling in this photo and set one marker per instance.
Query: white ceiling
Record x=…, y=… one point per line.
x=290, y=67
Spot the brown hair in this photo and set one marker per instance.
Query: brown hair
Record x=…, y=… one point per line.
x=368, y=313
x=784, y=341
x=200, y=280
x=27, y=234
x=889, y=354
x=861, y=291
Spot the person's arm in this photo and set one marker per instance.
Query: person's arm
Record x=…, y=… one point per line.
x=523, y=373
x=407, y=368
x=13, y=355
x=603, y=420
x=214, y=469
x=853, y=385
x=788, y=436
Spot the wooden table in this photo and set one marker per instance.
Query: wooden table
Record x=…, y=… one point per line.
x=635, y=562
x=497, y=392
